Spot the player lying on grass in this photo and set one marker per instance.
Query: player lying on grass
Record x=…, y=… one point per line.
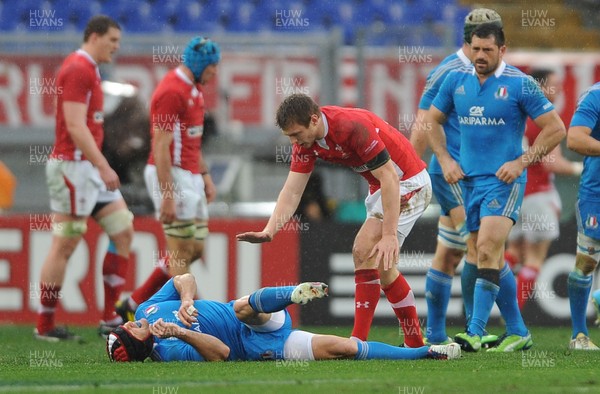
x=172, y=326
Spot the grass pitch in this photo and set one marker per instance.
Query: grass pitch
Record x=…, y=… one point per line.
x=30, y=366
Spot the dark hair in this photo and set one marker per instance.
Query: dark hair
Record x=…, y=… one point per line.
x=490, y=29
x=99, y=24
x=541, y=75
x=297, y=108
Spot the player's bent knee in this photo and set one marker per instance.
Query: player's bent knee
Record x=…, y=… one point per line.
x=117, y=221
x=70, y=229
x=588, y=253
x=585, y=263
x=298, y=346
x=179, y=229
x=242, y=307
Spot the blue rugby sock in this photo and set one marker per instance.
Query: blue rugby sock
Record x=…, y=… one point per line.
x=484, y=297
x=579, y=286
x=382, y=351
x=437, y=293
x=507, y=303
x=468, y=277
x=271, y=299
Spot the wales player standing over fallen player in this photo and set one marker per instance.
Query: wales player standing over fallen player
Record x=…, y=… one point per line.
x=399, y=193
x=584, y=138
x=453, y=238
x=492, y=100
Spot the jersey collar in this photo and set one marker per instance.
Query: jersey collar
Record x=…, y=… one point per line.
x=86, y=55
x=321, y=141
x=461, y=55
x=183, y=77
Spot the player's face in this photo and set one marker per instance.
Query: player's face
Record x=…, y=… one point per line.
x=108, y=44
x=139, y=332
x=486, y=55
x=209, y=73
x=304, y=136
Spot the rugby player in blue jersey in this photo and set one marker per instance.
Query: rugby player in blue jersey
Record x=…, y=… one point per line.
x=492, y=101
x=453, y=237
x=584, y=138
x=173, y=326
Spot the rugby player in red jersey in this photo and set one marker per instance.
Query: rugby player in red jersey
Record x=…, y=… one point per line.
x=176, y=176
x=399, y=193
x=81, y=183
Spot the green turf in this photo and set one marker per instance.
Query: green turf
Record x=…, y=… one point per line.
x=28, y=365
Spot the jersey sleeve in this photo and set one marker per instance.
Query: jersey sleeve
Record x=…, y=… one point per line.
x=444, y=100
x=302, y=160
x=166, y=111
x=588, y=110
x=533, y=101
x=432, y=87
x=177, y=350
x=77, y=83
x=166, y=293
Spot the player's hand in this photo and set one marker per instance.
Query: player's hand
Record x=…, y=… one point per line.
x=386, y=250
x=255, y=237
x=210, y=190
x=162, y=329
x=452, y=171
x=110, y=178
x=188, y=314
x=167, y=211
x=510, y=170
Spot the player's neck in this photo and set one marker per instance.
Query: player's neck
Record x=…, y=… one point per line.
x=89, y=49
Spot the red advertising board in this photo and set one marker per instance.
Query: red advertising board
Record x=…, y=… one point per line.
x=230, y=268
x=251, y=85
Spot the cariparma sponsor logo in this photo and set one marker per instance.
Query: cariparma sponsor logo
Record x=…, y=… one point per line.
x=151, y=310
x=476, y=118
x=474, y=121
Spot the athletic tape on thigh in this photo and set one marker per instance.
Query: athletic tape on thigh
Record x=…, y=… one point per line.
x=116, y=222
x=201, y=231
x=179, y=229
x=71, y=229
x=588, y=246
x=451, y=238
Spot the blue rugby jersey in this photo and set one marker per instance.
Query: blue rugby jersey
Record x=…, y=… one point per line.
x=432, y=86
x=588, y=114
x=491, y=117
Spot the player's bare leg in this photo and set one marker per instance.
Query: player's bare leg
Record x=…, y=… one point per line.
x=328, y=347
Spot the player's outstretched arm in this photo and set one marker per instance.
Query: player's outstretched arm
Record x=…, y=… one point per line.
x=286, y=205
x=580, y=140
x=208, y=346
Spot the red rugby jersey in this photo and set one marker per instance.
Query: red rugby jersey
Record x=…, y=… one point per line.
x=353, y=137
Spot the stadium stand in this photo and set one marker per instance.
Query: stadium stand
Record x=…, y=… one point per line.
x=258, y=16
